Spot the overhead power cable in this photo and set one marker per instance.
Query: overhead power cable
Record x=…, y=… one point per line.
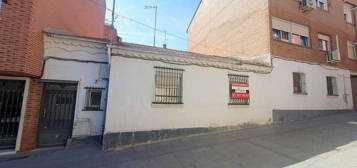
x=163, y=31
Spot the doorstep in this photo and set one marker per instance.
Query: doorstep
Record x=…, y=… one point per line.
x=7, y=152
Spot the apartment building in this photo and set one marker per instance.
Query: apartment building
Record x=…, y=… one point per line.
x=311, y=44
x=21, y=61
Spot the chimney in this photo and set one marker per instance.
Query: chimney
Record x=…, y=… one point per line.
x=164, y=46
x=111, y=34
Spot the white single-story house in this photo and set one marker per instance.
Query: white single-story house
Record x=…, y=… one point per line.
x=158, y=93
x=129, y=93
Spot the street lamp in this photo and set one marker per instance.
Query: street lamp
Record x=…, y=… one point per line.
x=153, y=7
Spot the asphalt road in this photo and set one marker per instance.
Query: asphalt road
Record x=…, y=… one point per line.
x=298, y=144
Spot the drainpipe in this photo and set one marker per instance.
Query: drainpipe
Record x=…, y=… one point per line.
x=109, y=53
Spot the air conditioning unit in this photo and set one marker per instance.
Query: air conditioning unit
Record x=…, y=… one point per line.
x=307, y=5
x=333, y=56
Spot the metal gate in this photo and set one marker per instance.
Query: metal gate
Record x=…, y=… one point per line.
x=11, y=95
x=56, y=120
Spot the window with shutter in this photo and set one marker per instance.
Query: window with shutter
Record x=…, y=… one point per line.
x=322, y=4
x=291, y=32
x=347, y=12
x=324, y=42
x=351, y=50
x=2, y=3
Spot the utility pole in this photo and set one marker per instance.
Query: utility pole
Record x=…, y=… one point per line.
x=153, y=7
x=113, y=13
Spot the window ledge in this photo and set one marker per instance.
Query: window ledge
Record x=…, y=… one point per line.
x=167, y=105
x=89, y=109
x=234, y=105
x=333, y=95
x=334, y=61
x=293, y=44
x=322, y=10
x=302, y=93
x=349, y=23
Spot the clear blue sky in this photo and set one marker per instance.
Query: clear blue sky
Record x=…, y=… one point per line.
x=173, y=16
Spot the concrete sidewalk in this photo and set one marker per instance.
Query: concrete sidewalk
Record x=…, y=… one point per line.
x=320, y=142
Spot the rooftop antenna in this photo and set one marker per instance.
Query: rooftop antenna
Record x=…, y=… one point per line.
x=153, y=7
x=113, y=13
x=165, y=41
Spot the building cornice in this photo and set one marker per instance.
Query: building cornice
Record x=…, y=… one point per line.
x=75, y=40
x=184, y=60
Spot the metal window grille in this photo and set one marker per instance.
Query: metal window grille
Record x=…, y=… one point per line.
x=331, y=86
x=11, y=96
x=168, y=85
x=93, y=99
x=239, y=89
x=299, y=82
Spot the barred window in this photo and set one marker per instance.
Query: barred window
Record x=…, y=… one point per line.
x=299, y=83
x=239, y=90
x=331, y=86
x=93, y=99
x=168, y=85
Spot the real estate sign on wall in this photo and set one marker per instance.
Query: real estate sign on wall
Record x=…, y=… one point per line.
x=240, y=90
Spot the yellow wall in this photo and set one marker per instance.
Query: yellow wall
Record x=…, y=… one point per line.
x=230, y=28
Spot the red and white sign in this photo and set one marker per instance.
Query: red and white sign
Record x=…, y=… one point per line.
x=240, y=90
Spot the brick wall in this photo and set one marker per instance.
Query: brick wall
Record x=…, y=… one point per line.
x=22, y=22
x=230, y=28
x=29, y=133
x=329, y=22
x=14, y=26
x=243, y=28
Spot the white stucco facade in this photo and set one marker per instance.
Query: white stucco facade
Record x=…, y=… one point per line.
x=83, y=61
x=205, y=98
x=205, y=95
x=284, y=98
x=205, y=87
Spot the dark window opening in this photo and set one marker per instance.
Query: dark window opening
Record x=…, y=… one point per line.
x=331, y=86
x=93, y=100
x=299, y=83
